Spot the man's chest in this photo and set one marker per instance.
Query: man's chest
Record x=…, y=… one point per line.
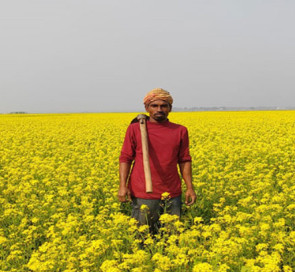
x=162, y=140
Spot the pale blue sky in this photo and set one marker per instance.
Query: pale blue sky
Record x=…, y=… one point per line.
x=104, y=55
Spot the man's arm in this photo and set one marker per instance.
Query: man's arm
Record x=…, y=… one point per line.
x=186, y=172
x=124, y=193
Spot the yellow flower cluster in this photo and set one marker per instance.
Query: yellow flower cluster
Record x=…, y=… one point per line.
x=58, y=196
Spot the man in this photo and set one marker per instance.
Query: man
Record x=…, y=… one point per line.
x=168, y=147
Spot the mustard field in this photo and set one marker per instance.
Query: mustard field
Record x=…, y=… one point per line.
x=59, y=208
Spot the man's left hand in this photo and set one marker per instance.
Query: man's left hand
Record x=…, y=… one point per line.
x=190, y=197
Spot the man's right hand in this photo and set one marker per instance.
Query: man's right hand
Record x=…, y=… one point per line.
x=124, y=194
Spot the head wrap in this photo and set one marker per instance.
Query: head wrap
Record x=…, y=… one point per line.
x=157, y=94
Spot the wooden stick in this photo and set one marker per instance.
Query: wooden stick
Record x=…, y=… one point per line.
x=145, y=153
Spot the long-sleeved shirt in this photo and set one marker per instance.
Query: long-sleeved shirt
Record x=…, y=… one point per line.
x=168, y=146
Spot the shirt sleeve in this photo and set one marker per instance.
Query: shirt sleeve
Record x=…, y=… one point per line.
x=129, y=146
x=184, y=154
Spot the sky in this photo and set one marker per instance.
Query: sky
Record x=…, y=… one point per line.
x=105, y=55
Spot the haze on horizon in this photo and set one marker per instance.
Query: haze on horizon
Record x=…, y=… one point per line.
x=100, y=56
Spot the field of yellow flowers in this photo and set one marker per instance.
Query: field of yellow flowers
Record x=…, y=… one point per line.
x=59, y=208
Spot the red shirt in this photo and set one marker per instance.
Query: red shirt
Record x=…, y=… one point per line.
x=168, y=146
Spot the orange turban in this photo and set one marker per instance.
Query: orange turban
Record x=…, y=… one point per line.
x=157, y=94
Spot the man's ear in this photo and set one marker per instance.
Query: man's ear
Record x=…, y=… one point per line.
x=170, y=107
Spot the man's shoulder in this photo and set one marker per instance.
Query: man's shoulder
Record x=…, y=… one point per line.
x=133, y=128
x=177, y=126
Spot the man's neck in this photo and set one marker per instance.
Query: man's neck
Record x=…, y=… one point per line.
x=152, y=120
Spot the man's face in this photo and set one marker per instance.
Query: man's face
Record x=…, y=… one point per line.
x=158, y=110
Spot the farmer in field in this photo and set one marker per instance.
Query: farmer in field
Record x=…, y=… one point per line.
x=168, y=146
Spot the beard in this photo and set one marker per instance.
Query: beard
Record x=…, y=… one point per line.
x=160, y=117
